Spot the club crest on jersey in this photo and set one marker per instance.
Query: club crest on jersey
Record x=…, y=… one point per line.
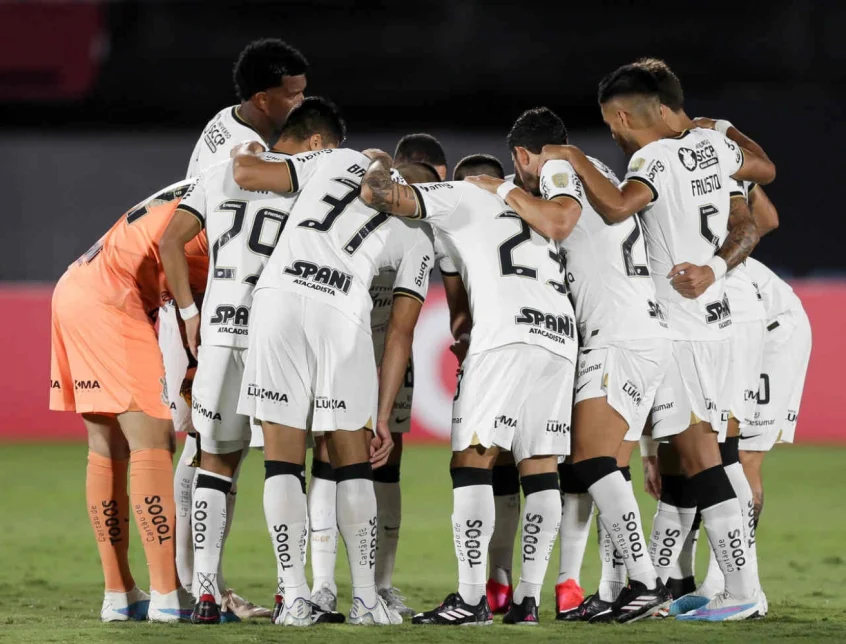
x=320, y=278
x=719, y=312
x=704, y=156
x=636, y=164
x=559, y=328
x=237, y=319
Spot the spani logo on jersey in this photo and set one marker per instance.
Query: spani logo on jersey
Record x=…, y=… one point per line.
x=719, y=312
x=558, y=328
x=235, y=318
x=320, y=278
x=655, y=311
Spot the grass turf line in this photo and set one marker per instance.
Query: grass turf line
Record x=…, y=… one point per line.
x=51, y=585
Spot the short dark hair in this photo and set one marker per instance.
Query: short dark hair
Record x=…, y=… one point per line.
x=419, y=147
x=536, y=128
x=628, y=80
x=669, y=86
x=478, y=164
x=418, y=172
x=263, y=63
x=315, y=115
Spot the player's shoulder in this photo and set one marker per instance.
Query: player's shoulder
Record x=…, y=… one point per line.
x=410, y=231
x=651, y=158
x=604, y=169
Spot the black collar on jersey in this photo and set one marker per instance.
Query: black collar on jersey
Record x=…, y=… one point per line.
x=681, y=135
x=238, y=118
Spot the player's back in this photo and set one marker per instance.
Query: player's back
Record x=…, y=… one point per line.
x=609, y=278
x=334, y=243
x=243, y=227
x=687, y=221
x=222, y=133
x=124, y=267
x=513, y=275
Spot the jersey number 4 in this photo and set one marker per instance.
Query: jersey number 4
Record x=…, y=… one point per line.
x=260, y=242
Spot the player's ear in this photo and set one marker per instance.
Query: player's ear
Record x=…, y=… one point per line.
x=260, y=100
x=625, y=119
x=522, y=156
x=315, y=142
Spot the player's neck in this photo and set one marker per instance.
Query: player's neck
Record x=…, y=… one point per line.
x=290, y=147
x=253, y=117
x=655, y=132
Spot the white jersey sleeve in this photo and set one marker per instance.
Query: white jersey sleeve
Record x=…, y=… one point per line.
x=649, y=168
x=730, y=154
x=559, y=179
x=415, y=263
x=194, y=201
x=226, y=130
x=303, y=167
x=446, y=263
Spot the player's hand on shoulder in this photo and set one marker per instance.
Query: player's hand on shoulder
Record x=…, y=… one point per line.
x=563, y=152
x=691, y=280
x=375, y=154
x=247, y=147
x=485, y=182
x=705, y=122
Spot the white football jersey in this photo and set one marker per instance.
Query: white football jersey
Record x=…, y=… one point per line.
x=382, y=295
x=686, y=221
x=514, y=277
x=243, y=228
x=221, y=134
x=335, y=244
x=744, y=298
x=776, y=294
x=607, y=266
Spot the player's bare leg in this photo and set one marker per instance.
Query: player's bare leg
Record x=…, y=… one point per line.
x=473, y=516
x=151, y=443
x=349, y=454
x=323, y=527
x=702, y=463
x=506, y=490
x=598, y=433
x=541, y=519
x=386, y=483
x=576, y=516
x=108, y=510
x=210, y=519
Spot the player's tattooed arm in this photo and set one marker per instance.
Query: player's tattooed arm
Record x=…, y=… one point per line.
x=554, y=218
x=183, y=227
x=254, y=173
x=615, y=204
x=379, y=191
x=742, y=234
x=763, y=211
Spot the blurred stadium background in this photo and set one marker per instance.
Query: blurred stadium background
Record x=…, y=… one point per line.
x=102, y=102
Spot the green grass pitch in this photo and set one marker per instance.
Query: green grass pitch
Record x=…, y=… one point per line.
x=51, y=586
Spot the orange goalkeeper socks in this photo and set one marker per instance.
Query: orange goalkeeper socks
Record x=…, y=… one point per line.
x=108, y=510
x=151, y=489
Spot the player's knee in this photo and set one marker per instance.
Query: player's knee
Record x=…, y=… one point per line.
x=594, y=469
x=568, y=481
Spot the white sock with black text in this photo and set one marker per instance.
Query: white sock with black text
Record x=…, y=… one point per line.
x=612, y=579
x=576, y=516
x=358, y=525
x=286, y=514
x=541, y=520
x=741, y=487
x=506, y=491
x=619, y=513
x=724, y=525
x=386, y=484
x=473, y=517
x=183, y=487
x=672, y=522
x=209, y=525
x=323, y=525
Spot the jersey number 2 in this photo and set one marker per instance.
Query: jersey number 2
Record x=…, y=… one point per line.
x=257, y=243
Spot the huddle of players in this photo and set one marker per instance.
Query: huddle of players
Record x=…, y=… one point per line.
x=298, y=235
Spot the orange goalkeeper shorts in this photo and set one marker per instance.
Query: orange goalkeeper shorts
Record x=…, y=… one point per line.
x=103, y=360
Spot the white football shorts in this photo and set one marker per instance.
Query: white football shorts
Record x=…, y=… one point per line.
x=518, y=397
x=787, y=350
x=693, y=389
x=747, y=356
x=308, y=366
x=215, y=394
x=627, y=375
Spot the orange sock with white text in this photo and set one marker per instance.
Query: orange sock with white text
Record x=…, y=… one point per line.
x=151, y=490
x=108, y=511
